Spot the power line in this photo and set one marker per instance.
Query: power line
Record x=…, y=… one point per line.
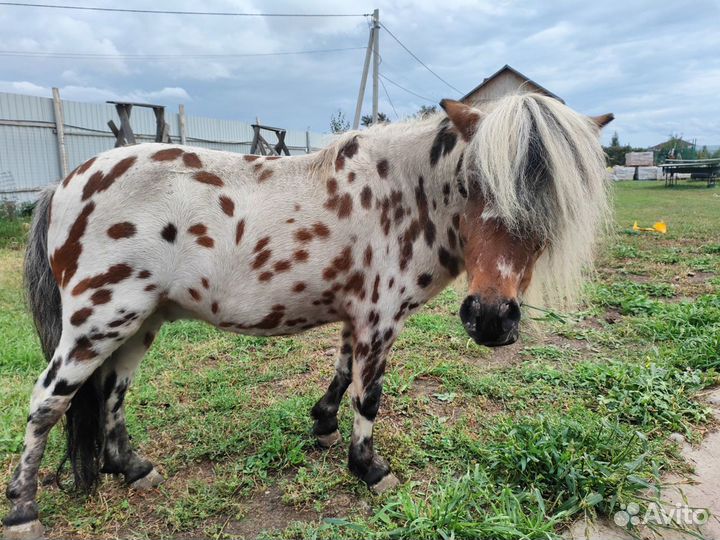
x=407, y=90
x=390, y=100
x=99, y=56
x=416, y=58
x=174, y=12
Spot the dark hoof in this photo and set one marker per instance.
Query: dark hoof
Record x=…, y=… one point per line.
x=329, y=440
x=30, y=530
x=388, y=483
x=149, y=481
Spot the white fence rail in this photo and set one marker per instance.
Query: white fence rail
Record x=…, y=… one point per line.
x=29, y=154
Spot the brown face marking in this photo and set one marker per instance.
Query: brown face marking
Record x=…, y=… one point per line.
x=101, y=296
x=227, y=205
x=298, y=287
x=121, y=230
x=195, y=294
x=191, y=159
x=115, y=274
x=366, y=197
x=169, y=154
x=209, y=178
x=249, y=158
x=169, y=233
x=64, y=260
x=99, y=182
x=80, y=316
x=239, y=231
x=79, y=170
x=382, y=168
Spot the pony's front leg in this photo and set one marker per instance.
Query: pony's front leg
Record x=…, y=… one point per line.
x=325, y=410
x=370, y=352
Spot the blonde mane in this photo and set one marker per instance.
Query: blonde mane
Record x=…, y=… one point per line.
x=541, y=169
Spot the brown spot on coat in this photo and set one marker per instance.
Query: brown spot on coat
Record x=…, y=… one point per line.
x=195, y=294
x=282, y=266
x=191, y=159
x=121, y=230
x=205, y=241
x=168, y=154
x=151, y=287
x=368, y=255
x=80, y=316
x=264, y=241
x=383, y=168
x=345, y=208
x=101, y=296
x=169, y=233
x=115, y=274
x=239, y=231
x=265, y=276
x=351, y=177
x=366, y=197
x=214, y=307
x=261, y=259
x=267, y=173
x=205, y=283
x=64, y=260
x=208, y=178
x=298, y=287
x=300, y=255
x=83, y=350
x=79, y=170
x=321, y=229
x=144, y=274
x=376, y=290
x=198, y=229
x=227, y=205
x=424, y=280
x=249, y=158
x=100, y=182
x=355, y=284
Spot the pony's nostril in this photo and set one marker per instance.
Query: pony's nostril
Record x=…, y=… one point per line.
x=509, y=313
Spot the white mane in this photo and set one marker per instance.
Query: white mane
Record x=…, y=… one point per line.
x=541, y=168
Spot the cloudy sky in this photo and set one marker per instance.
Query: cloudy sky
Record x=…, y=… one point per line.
x=656, y=65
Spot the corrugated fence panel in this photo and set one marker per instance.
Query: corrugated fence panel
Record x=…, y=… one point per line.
x=29, y=154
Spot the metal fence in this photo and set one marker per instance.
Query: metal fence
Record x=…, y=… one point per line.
x=30, y=156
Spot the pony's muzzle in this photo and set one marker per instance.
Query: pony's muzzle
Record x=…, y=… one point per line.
x=492, y=324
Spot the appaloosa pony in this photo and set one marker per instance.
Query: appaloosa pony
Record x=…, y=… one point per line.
x=364, y=232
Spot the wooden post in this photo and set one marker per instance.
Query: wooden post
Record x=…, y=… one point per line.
x=363, y=79
x=181, y=121
x=60, y=131
x=307, y=141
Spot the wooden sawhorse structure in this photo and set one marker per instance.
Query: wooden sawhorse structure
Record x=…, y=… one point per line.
x=124, y=134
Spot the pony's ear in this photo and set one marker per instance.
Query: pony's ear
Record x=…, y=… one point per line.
x=463, y=117
x=603, y=120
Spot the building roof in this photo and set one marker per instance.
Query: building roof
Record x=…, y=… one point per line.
x=508, y=68
x=683, y=143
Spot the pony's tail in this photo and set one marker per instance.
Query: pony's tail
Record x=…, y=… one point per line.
x=84, y=419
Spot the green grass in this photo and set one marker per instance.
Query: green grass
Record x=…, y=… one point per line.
x=507, y=443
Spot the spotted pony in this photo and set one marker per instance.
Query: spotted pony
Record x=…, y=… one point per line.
x=363, y=232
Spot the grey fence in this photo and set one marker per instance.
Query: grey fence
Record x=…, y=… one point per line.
x=29, y=152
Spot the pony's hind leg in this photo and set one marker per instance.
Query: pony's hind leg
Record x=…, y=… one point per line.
x=69, y=379
x=325, y=410
x=117, y=375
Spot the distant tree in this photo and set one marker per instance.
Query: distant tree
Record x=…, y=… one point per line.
x=367, y=120
x=703, y=153
x=615, y=153
x=426, y=110
x=676, y=148
x=338, y=122
x=716, y=154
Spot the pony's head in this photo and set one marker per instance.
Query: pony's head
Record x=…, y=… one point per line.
x=534, y=172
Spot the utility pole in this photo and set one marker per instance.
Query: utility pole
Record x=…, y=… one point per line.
x=373, y=42
x=376, y=64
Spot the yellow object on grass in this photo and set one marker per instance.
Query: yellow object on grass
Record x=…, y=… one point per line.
x=659, y=226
